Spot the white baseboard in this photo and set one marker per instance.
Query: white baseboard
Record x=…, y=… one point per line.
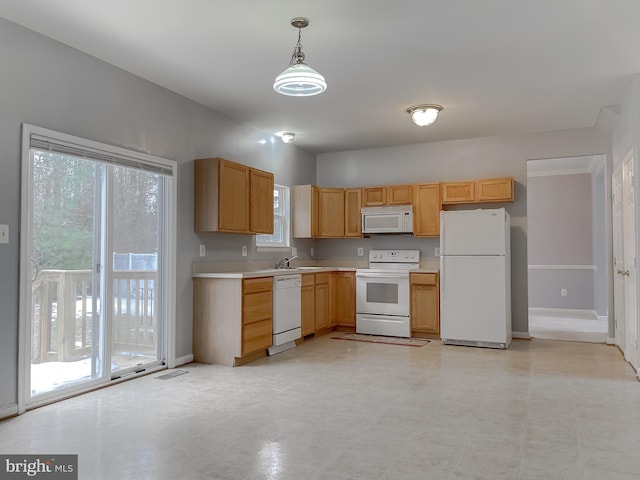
x=565, y=312
x=603, y=318
x=523, y=335
x=184, y=360
x=611, y=341
x=9, y=411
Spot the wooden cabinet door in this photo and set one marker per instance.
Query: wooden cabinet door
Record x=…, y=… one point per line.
x=343, y=299
x=352, y=214
x=427, y=206
x=400, y=195
x=233, y=197
x=205, y=195
x=261, y=201
x=425, y=302
x=308, y=304
x=304, y=211
x=322, y=305
x=331, y=212
x=374, y=196
x=494, y=190
x=457, y=192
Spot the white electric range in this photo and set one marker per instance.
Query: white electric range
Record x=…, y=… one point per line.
x=382, y=293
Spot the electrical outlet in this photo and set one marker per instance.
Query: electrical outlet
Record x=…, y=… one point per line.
x=437, y=252
x=203, y=250
x=313, y=251
x=244, y=250
x=563, y=292
x=4, y=233
x=360, y=251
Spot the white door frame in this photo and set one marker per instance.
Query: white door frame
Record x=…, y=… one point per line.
x=630, y=251
x=617, y=227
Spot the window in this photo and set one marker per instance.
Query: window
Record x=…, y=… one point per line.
x=280, y=236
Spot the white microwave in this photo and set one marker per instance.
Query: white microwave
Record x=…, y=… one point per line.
x=390, y=219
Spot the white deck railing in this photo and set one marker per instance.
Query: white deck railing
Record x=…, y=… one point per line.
x=64, y=327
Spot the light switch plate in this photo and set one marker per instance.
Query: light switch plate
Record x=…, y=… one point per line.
x=4, y=233
x=244, y=250
x=203, y=250
x=313, y=251
x=294, y=251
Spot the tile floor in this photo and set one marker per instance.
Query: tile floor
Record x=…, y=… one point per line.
x=571, y=326
x=331, y=409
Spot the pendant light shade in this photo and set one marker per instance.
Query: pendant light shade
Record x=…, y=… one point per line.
x=299, y=79
x=424, y=115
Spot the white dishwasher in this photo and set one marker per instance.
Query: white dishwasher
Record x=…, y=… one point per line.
x=286, y=312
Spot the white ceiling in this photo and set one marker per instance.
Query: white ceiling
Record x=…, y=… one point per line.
x=497, y=66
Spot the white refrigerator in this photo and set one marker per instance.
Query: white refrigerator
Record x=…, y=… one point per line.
x=475, y=278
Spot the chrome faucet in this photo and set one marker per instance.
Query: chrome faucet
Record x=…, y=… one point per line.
x=284, y=263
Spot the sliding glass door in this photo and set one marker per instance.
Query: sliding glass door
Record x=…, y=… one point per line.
x=97, y=226
x=135, y=244
x=67, y=325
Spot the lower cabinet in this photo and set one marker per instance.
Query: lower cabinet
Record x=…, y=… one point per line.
x=257, y=314
x=232, y=319
x=322, y=301
x=308, y=304
x=343, y=299
x=425, y=304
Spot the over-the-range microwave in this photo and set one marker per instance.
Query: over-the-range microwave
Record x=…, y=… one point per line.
x=389, y=219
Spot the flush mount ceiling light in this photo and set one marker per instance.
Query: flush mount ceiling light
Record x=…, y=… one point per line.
x=299, y=79
x=423, y=115
x=287, y=137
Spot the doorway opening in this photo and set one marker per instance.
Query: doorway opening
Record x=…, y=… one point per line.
x=566, y=249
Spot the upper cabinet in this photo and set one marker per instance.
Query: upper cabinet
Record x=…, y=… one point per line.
x=352, y=215
x=494, y=190
x=457, y=192
x=426, y=210
x=387, y=195
x=304, y=210
x=326, y=212
x=331, y=212
x=477, y=191
x=230, y=197
x=261, y=201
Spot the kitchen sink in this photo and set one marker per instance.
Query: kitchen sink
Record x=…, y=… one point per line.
x=309, y=268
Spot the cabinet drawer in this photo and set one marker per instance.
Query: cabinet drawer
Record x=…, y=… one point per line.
x=253, y=285
x=322, y=278
x=423, y=278
x=308, y=279
x=257, y=306
x=256, y=336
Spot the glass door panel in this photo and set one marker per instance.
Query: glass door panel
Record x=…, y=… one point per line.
x=135, y=245
x=66, y=322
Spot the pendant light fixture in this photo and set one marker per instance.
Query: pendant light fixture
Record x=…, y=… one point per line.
x=424, y=115
x=299, y=79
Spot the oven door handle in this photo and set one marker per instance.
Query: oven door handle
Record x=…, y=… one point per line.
x=382, y=275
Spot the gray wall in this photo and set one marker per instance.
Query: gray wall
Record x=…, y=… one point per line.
x=459, y=160
x=560, y=231
x=51, y=85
